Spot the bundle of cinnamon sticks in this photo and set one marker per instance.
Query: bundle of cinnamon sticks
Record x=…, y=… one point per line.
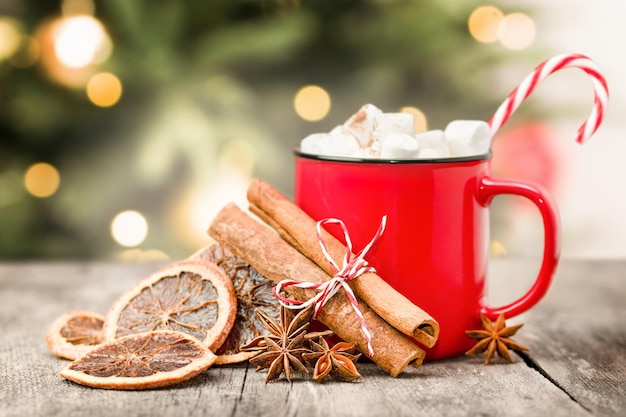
x=294, y=253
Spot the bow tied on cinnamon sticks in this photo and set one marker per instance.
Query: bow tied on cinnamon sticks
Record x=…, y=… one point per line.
x=353, y=267
x=294, y=254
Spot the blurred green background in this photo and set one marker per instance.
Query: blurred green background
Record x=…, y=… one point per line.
x=162, y=112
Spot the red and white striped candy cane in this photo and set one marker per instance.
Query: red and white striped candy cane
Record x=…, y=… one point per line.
x=543, y=70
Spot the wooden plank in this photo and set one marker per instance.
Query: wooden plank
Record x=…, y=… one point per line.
x=457, y=387
x=32, y=295
x=578, y=336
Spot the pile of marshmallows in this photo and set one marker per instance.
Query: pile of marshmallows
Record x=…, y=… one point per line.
x=370, y=133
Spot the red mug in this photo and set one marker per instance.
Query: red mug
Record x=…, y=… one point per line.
x=435, y=248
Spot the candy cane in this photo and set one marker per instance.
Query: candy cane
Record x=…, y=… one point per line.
x=543, y=70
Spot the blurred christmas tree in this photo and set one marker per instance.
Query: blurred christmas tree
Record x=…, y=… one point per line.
x=169, y=109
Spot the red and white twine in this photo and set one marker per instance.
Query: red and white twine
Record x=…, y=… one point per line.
x=352, y=267
x=543, y=70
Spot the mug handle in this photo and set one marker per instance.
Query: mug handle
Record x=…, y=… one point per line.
x=488, y=188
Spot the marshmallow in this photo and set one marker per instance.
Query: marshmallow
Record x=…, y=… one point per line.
x=341, y=132
x=362, y=123
x=344, y=145
x=336, y=143
x=399, y=146
x=390, y=123
x=430, y=153
x=468, y=137
x=375, y=148
x=311, y=144
x=366, y=153
x=370, y=152
x=370, y=133
x=432, y=144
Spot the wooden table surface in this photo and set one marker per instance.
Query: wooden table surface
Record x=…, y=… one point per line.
x=576, y=365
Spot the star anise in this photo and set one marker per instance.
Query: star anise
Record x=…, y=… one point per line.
x=290, y=325
x=338, y=361
x=283, y=348
x=278, y=359
x=494, y=338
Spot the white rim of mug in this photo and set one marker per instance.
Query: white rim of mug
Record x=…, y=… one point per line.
x=446, y=160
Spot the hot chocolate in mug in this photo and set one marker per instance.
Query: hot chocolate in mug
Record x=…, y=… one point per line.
x=435, y=248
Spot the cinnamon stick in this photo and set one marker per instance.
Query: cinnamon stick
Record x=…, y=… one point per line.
x=298, y=229
x=277, y=260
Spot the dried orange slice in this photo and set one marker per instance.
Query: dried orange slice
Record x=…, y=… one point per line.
x=141, y=361
x=74, y=333
x=253, y=291
x=189, y=297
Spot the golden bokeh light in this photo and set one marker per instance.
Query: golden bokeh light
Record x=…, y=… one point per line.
x=49, y=61
x=129, y=228
x=312, y=103
x=42, y=180
x=81, y=41
x=484, y=22
x=419, y=118
x=517, y=31
x=9, y=37
x=104, y=89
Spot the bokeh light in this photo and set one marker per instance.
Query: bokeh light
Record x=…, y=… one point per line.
x=42, y=180
x=52, y=67
x=517, y=31
x=484, y=23
x=419, y=118
x=104, y=89
x=9, y=37
x=129, y=228
x=312, y=103
x=81, y=41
